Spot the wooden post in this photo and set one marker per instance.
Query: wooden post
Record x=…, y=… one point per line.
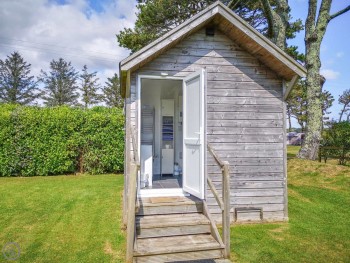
x=131, y=213
x=226, y=210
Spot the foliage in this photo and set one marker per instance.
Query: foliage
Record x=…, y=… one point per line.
x=89, y=87
x=60, y=84
x=16, y=83
x=297, y=103
x=344, y=100
x=57, y=140
x=111, y=92
x=156, y=17
x=338, y=135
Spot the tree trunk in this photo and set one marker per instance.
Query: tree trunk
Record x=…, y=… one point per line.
x=289, y=123
x=277, y=21
x=342, y=112
x=314, y=33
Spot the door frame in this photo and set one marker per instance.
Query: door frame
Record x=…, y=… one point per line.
x=168, y=191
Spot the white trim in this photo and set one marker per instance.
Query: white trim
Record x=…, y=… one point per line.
x=162, y=192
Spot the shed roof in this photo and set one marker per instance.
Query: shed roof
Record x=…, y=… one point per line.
x=230, y=24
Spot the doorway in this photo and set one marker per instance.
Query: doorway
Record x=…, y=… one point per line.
x=171, y=117
x=161, y=134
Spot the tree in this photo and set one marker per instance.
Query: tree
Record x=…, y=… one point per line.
x=111, y=92
x=16, y=83
x=156, y=17
x=315, y=29
x=89, y=87
x=60, y=84
x=344, y=100
x=297, y=103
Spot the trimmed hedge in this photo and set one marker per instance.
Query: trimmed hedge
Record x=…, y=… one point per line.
x=60, y=140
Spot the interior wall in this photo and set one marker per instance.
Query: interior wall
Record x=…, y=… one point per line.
x=152, y=93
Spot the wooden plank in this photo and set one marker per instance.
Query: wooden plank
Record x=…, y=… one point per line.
x=217, y=107
x=180, y=257
x=253, y=193
x=261, y=138
x=215, y=193
x=213, y=228
x=170, y=209
x=251, y=200
x=268, y=84
x=250, y=154
x=245, y=123
x=214, y=209
x=250, y=169
x=222, y=115
x=285, y=170
x=249, y=161
x=244, y=101
x=240, y=131
x=258, y=176
x=226, y=211
x=243, y=93
x=193, y=229
x=246, y=146
x=176, y=244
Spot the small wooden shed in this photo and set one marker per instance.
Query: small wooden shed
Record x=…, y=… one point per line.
x=214, y=81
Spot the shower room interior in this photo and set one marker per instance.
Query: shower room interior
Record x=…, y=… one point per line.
x=161, y=134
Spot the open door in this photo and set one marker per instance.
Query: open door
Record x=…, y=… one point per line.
x=193, y=134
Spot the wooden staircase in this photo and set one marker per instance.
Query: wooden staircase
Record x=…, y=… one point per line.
x=175, y=229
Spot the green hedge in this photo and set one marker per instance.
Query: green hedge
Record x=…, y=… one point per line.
x=60, y=140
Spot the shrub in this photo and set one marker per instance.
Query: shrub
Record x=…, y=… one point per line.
x=338, y=136
x=58, y=140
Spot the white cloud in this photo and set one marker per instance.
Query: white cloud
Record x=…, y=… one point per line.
x=330, y=74
x=42, y=30
x=339, y=54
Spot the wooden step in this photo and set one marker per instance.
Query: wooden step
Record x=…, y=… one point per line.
x=177, y=248
x=178, y=205
x=171, y=225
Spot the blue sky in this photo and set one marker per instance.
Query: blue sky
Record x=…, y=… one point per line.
x=83, y=32
x=335, y=49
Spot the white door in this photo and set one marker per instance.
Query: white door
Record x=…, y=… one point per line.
x=193, y=134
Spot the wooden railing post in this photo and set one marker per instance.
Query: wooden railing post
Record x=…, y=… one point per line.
x=226, y=210
x=225, y=203
x=131, y=213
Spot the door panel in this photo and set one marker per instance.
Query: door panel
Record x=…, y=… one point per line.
x=193, y=134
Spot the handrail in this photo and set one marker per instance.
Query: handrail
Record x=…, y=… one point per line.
x=132, y=186
x=134, y=146
x=224, y=203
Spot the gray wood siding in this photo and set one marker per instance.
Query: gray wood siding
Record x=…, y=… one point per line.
x=244, y=119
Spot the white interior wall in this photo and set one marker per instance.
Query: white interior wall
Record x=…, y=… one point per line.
x=152, y=92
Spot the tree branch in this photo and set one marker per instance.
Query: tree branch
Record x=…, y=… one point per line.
x=346, y=9
x=269, y=16
x=232, y=5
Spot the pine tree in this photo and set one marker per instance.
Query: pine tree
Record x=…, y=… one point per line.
x=60, y=84
x=344, y=100
x=89, y=87
x=16, y=83
x=111, y=92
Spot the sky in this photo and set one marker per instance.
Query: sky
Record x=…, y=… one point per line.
x=83, y=32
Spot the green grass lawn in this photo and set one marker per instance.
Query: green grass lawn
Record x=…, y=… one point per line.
x=78, y=219
x=63, y=218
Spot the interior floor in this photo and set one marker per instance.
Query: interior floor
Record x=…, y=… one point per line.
x=165, y=181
